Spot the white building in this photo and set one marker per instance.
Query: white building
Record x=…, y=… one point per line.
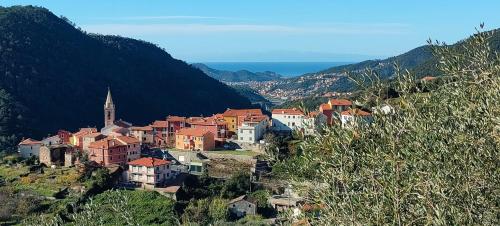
x=53, y=140
x=352, y=116
x=252, y=128
x=29, y=147
x=149, y=172
x=286, y=120
x=313, y=122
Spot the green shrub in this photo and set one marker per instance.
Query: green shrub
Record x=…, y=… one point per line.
x=433, y=162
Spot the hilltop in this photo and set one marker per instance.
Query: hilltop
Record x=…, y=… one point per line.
x=54, y=75
x=237, y=76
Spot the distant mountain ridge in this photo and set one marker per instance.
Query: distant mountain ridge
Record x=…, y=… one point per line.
x=419, y=60
x=55, y=76
x=237, y=76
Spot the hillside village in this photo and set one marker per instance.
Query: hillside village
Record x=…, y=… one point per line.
x=158, y=156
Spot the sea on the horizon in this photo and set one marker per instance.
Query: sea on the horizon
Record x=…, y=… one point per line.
x=287, y=69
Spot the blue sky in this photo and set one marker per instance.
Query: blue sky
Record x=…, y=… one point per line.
x=279, y=30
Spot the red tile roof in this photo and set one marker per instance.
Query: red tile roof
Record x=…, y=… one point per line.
x=191, y=120
x=253, y=118
x=356, y=112
x=141, y=128
x=159, y=123
x=428, y=78
x=196, y=132
x=218, y=116
x=240, y=112
x=106, y=143
x=325, y=107
x=287, y=111
x=314, y=113
x=85, y=131
x=210, y=121
x=128, y=140
x=29, y=141
x=93, y=135
x=340, y=102
x=172, y=118
x=121, y=130
x=149, y=162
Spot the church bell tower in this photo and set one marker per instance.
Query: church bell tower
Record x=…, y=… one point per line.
x=109, y=110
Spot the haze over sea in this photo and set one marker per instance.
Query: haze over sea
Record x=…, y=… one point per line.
x=287, y=69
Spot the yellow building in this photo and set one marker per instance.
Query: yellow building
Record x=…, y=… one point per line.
x=194, y=139
x=77, y=138
x=233, y=117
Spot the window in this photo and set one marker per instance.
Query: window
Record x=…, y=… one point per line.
x=110, y=158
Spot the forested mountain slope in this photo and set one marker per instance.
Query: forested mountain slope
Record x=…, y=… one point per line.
x=53, y=75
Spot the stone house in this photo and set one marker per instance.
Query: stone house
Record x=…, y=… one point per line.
x=52, y=140
x=54, y=154
x=89, y=138
x=242, y=206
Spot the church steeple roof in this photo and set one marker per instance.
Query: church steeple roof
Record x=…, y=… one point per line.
x=109, y=100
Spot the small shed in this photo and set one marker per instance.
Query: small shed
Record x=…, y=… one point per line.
x=242, y=206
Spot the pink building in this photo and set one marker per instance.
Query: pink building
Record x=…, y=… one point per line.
x=216, y=126
x=159, y=133
x=108, y=151
x=174, y=124
x=133, y=147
